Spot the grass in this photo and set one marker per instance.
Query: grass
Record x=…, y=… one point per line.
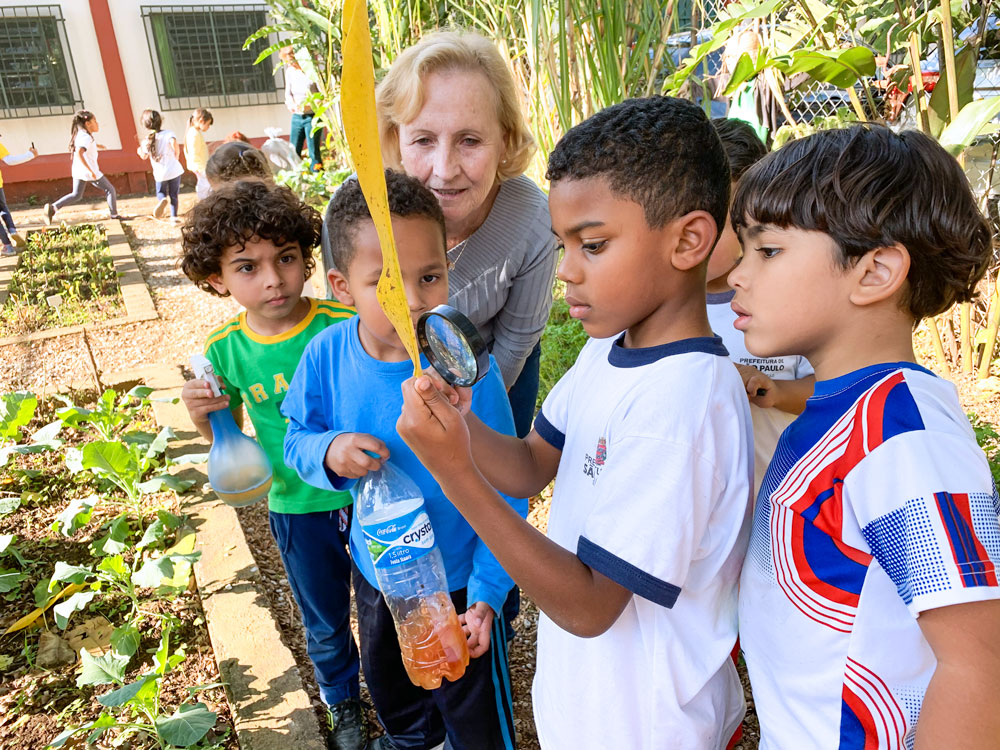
x=63, y=277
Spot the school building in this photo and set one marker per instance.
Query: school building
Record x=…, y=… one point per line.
x=117, y=58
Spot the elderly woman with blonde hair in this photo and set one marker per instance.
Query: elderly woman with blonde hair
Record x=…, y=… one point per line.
x=450, y=115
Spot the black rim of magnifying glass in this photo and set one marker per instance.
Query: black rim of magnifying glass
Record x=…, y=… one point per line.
x=468, y=332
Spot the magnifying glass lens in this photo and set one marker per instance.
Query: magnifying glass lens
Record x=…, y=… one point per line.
x=453, y=346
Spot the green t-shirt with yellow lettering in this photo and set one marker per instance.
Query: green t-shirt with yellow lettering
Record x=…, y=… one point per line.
x=256, y=371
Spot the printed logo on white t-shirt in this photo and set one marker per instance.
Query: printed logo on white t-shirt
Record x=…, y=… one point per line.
x=592, y=465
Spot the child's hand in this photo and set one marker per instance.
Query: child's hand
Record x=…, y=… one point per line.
x=346, y=457
x=433, y=428
x=477, y=624
x=760, y=388
x=101, y=147
x=33, y=150
x=460, y=398
x=200, y=402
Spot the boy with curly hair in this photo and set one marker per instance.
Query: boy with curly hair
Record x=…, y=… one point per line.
x=648, y=438
x=869, y=598
x=254, y=241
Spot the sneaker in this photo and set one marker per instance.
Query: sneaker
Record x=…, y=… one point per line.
x=8, y=250
x=382, y=743
x=49, y=213
x=161, y=208
x=347, y=726
x=17, y=240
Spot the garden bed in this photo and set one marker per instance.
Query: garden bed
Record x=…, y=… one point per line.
x=93, y=544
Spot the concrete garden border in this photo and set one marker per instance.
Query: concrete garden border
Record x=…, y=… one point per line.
x=138, y=302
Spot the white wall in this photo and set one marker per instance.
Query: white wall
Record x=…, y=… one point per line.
x=139, y=75
x=51, y=133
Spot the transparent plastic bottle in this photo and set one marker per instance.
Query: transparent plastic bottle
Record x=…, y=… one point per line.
x=410, y=573
x=238, y=469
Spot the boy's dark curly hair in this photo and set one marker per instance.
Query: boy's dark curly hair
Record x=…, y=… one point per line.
x=742, y=145
x=868, y=187
x=347, y=209
x=660, y=152
x=239, y=212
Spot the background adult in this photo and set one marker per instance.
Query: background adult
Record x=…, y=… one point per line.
x=449, y=115
x=298, y=87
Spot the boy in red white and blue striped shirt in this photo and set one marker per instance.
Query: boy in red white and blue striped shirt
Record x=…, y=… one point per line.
x=869, y=597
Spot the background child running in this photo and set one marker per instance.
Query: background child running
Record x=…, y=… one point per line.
x=234, y=161
x=254, y=241
x=196, y=151
x=869, y=597
x=650, y=434
x=776, y=386
x=345, y=399
x=9, y=237
x=84, y=148
x=163, y=152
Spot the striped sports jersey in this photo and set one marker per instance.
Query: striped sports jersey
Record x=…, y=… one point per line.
x=877, y=505
x=256, y=371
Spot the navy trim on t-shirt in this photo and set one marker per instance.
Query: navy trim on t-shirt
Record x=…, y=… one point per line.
x=720, y=298
x=619, y=356
x=548, y=433
x=825, y=388
x=636, y=580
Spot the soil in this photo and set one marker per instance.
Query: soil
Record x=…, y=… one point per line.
x=186, y=316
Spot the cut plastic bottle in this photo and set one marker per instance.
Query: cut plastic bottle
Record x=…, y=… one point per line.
x=410, y=573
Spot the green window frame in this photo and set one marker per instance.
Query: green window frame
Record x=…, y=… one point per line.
x=37, y=77
x=199, y=60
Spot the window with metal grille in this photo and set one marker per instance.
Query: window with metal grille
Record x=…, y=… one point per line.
x=199, y=60
x=36, y=70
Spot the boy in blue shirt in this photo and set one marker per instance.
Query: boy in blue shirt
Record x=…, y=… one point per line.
x=344, y=400
x=869, y=601
x=648, y=438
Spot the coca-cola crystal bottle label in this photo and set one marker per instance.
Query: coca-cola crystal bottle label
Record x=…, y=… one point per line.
x=399, y=540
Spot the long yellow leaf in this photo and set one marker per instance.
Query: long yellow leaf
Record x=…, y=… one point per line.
x=29, y=619
x=357, y=109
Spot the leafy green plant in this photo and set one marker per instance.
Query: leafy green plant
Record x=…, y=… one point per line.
x=989, y=440
x=136, y=707
x=312, y=187
x=562, y=341
x=16, y=411
x=111, y=414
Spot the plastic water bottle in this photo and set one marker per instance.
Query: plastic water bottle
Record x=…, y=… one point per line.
x=410, y=572
x=238, y=469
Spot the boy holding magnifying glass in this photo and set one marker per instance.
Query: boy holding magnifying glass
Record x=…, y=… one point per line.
x=649, y=438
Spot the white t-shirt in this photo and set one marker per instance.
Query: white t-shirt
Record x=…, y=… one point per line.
x=166, y=165
x=79, y=171
x=653, y=491
x=768, y=424
x=878, y=506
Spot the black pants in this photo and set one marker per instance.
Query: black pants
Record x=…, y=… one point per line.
x=475, y=712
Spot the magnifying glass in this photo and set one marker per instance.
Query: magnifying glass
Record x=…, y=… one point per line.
x=453, y=346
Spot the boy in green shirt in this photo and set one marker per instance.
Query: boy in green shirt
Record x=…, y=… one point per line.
x=254, y=240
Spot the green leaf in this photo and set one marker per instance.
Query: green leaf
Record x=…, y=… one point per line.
x=16, y=410
x=104, y=722
x=115, y=567
x=76, y=515
x=9, y=504
x=64, y=735
x=71, y=573
x=73, y=458
x=972, y=118
x=47, y=435
x=101, y=670
x=5, y=542
x=10, y=580
x=188, y=724
x=125, y=694
x=154, y=533
x=152, y=572
x=71, y=415
x=159, y=445
x=125, y=640
x=67, y=607
x=138, y=437
x=939, y=109
x=156, y=484
x=140, y=392
x=191, y=458
x=41, y=593
x=107, y=457
x=112, y=543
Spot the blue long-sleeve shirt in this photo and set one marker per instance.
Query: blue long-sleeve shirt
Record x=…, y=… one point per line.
x=338, y=387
